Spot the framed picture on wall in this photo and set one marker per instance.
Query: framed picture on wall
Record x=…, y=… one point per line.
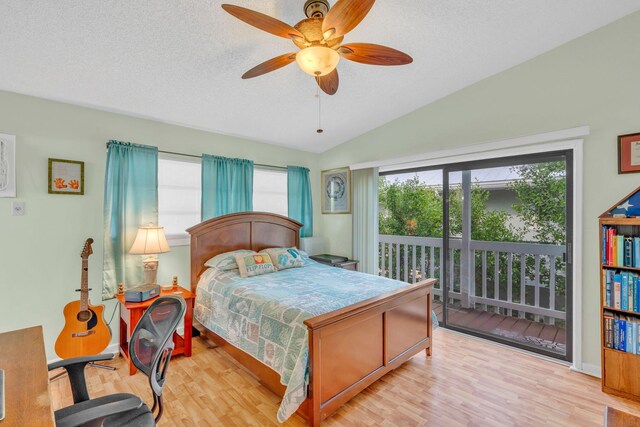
x=7, y=165
x=66, y=177
x=629, y=153
x=336, y=191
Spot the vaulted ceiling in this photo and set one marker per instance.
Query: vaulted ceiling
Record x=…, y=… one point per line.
x=180, y=61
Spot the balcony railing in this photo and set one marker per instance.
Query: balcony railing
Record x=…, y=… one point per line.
x=526, y=280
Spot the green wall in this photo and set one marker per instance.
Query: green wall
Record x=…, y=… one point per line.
x=40, y=252
x=593, y=80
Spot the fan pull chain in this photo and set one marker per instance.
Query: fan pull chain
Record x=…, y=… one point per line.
x=319, y=130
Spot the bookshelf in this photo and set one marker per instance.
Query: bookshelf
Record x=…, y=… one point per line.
x=620, y=297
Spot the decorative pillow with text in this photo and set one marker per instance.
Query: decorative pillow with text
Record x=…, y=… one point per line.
x=254, y=264
x=285, y=258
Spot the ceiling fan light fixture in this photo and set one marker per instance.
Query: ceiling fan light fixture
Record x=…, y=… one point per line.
x=317, y=61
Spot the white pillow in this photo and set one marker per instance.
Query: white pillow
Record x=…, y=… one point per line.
x=226, y=261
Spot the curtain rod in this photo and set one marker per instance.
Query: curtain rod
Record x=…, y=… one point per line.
x=200, y=157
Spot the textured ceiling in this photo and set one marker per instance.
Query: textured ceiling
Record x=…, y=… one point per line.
x=180, y=61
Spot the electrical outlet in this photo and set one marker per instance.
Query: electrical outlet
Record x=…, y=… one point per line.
x=17, y=208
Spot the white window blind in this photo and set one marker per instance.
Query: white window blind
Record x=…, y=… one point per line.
x=270, y=191
x=179, y=192
x=179, y=195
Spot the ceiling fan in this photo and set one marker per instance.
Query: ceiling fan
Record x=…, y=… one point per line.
x=319, y=38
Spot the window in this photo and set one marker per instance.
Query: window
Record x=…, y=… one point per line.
x=270, y=191
x=178, y=197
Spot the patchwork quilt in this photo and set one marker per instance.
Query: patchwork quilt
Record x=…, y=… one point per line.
x=264, y=315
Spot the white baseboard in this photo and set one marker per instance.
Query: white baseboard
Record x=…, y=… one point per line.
x=589, y=369
x=112, y=349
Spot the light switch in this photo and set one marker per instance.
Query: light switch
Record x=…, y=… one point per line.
x=17, y=208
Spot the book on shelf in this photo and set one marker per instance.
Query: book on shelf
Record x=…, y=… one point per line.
x=628, y=251
x=631, y=326
x=636, y=295
x=603, y=249
x=619, y=250
x=608, y=285
x=621, y=290
x=610, y=234
x=632, y=292
x=621, y=333
x=624, y=291
x=608, y=328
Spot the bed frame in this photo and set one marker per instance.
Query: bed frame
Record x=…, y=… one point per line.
x=350, y=348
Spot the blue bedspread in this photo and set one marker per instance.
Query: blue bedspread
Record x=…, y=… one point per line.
x=264, y=315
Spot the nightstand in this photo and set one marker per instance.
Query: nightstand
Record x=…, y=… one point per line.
x=349, y=264
x=131, y=313
x=336, y=261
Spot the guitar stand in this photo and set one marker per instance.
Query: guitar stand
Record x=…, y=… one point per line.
x=55, y=377
x=97, y=365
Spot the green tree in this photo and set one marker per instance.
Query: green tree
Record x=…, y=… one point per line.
x=489, y=225
x=541, y=194
x=411, y=208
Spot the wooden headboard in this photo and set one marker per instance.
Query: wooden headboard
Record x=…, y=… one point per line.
x=246, y=230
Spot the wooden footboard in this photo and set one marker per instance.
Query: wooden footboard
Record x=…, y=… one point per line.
x=351, y=348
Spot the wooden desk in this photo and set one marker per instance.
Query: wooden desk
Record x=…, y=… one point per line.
x=131, y=313
x=24, y=362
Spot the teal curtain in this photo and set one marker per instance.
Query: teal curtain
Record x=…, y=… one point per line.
x=299, y=198
x=130, y=200
x=365, y=219
x=227, y=186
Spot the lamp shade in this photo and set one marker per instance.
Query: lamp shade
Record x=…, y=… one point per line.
x=317, y=60
x=149, y=240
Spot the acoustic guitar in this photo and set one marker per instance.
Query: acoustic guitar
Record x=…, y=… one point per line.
x=85, y=332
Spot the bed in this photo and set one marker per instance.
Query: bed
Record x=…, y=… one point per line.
x=351, y=341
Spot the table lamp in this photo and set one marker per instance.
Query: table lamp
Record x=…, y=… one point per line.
x=150, y=241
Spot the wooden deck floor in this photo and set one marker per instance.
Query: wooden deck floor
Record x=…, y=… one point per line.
x=467, y=382
x=524, y=331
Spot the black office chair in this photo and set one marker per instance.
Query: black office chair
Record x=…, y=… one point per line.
x=150, y=350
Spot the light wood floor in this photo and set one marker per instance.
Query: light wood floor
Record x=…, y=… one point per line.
x=467, y=382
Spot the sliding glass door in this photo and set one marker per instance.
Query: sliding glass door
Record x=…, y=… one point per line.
x=508, y=232
x=496, y=234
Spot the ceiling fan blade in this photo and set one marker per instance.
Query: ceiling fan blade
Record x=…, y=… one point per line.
x=373, y=54
x=344, y=16
x=329, y=83
x=270, y=65
x=262, y=21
